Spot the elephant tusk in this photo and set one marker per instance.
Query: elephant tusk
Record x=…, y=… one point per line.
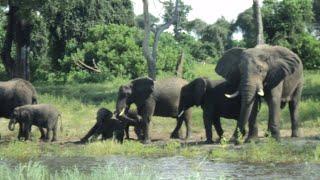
x=181, y=113
x=122, y=112
x=232, y=95
x=260, y=92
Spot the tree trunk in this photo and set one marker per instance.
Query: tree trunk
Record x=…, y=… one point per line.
x=179, y=66
x=152, y=56
x=22, y=38
x=258, y=22
x=9, y=37
x=18, y=31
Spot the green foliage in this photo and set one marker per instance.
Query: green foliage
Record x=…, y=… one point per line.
x=117, y=51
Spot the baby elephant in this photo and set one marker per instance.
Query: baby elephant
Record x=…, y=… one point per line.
x=131, y=118
x=41, y=115
x=106, y=126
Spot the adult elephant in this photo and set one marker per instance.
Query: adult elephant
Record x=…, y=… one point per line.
x=209, y=94
x=274, y=72
x=154, y=98
x=14, y=93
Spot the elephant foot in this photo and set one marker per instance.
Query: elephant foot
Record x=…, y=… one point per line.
x=146, y=141
x=209, y=141
x=175, y=135
x=221, y=140
x=188, y=135
x=54, y=140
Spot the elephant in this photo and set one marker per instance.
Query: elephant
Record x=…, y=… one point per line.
x=272, y=72
x=209, y=94
x=13, y=93
x=131, y=118
x=44, y=116
x=107, y=127
x=154, y=98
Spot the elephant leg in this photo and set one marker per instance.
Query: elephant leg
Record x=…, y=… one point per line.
x=253, y=126
x=207, y=117
x=42, y=137
x=294, y=115
x=54, y=134
x=20, y=134
x=126, y=129
x=48, y=135
x=148, y=111
x=175, y=132
x=274, y=102
x=187, y=120
x=217, y=126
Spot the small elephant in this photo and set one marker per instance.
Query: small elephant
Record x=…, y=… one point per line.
x=154, y=98
x=272, y=72
x=41, y=115
x=107, y=127
x=210, y=96
x=132, y=118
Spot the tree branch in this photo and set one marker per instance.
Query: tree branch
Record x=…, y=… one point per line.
x=81, y=64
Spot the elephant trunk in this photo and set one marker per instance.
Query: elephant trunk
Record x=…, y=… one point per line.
x=11, y=125
x=248, y=92
x=121, y=106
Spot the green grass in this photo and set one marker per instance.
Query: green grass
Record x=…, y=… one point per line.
x=36, y=171
x=78, y=104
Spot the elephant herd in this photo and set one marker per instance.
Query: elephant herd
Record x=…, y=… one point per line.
x=272, y=73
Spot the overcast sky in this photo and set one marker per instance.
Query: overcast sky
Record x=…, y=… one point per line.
x=207, y=10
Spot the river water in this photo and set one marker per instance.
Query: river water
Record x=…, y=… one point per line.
x=183, y=168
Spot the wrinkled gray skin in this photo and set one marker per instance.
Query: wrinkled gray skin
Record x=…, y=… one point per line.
x=154, y=98
x=275, y=73
x=44, y=116
x=14, y=93
x=210, y=96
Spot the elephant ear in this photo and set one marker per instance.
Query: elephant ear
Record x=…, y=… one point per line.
x=228, y=65
x=200, y=87
x=282, y=64
x=142, y=86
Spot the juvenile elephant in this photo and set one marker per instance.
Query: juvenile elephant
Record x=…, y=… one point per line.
x=44, y=116
x=131, y=118
x=154, y=98
x=107, y=127
x=209, y=95
x=273, y=72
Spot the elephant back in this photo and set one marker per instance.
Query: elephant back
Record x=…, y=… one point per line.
x=14, y=93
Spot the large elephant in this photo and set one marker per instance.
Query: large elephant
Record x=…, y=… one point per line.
x=209, y=94
x=14, y=93
x=272, y=72
x=154, y=98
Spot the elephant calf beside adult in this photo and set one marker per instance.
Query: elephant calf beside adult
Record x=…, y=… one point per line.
x=274, y=72
x=14, y=93
x=154, y=98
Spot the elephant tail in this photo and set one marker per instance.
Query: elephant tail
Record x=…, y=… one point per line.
x=61, y=127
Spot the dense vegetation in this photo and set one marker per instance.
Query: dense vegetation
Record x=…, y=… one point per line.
x=107, y=36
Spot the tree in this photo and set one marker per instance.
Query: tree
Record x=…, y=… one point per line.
x=182, y=21
x=217, y=34
x=316, y=11
x=71, y=20
x=196, y=26
x=258, y=22
x=152, y=56
x=139, y=20
x=18, y=31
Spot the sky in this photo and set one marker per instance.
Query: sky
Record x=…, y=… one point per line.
x=207, y=10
